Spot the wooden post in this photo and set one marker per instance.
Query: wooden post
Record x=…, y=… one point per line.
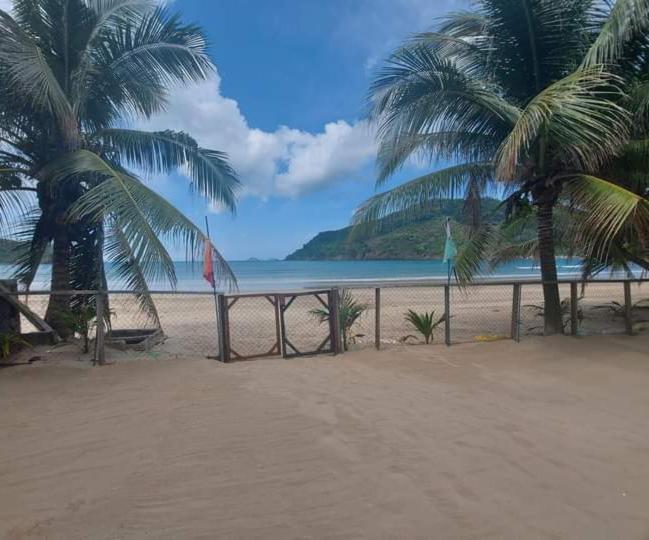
x=516, y=313
x=224, y=328
x=334, y=309
x=377, y=318
x=574, y=308
x=447, y=314
x=281, y=299
x=100, y=349
x=628, y=308
x=278, y=324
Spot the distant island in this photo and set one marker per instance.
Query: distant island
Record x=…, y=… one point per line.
x=423, y=239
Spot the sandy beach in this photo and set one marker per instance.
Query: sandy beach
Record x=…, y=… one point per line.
x=543, y=439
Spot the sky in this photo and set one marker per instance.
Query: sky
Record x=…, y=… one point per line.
x=287, y=105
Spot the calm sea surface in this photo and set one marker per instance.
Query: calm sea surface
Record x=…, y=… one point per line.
x=283, y=275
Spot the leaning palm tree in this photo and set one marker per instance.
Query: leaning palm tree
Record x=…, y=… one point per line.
x=505, y=92
x=73, y=75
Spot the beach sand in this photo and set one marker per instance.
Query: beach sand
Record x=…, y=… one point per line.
x=543, y=439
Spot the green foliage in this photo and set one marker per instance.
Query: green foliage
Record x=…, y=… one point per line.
x=619, y=310
x=566, y=313
x=546, y=103
x=424, y=323
x=398, y=237
x=74, y=74
x=9, y=343
x=350, y=310
x=80, y=321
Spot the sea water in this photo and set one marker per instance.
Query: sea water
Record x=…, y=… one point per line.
x=289, y=275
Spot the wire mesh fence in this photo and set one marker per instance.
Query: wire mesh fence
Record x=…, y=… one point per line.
x=396, y=301
x=291, y=324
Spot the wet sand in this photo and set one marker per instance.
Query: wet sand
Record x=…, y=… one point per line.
x=543, y=439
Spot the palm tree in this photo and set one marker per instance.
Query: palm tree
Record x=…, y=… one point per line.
x=72, y=74
x=515, y=93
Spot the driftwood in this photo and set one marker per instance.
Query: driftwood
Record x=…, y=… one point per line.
x=11, y=298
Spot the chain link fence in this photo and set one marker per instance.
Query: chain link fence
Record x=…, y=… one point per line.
x=292, y=324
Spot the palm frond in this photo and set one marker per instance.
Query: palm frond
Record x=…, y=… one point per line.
x=577, y=115
x=608, y=208
x=165, y=151
x=29, y=73
x=418, y=93
x=143, y=215
x=127, y=269
x=414, y=197
x=627, y=18
x=473, y=253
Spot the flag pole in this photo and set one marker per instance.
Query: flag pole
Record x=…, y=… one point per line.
x=213, y=283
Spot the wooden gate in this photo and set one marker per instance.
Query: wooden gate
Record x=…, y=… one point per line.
x=306, y=334
x=233, y=333
x=289, y=323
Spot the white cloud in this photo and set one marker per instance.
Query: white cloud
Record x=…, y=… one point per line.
x=286, y=162
x=6, y=5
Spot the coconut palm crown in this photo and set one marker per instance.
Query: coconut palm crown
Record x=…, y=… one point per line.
x=520, y=95
x=74, y=74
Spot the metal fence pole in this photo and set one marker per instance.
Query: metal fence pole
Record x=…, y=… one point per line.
x=574, y=308
x=334, y=319
x=377, y=318
x=100, y=348
x=516, y=313
x=628, y=308
x=447, y=315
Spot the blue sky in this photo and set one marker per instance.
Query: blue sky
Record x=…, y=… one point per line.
x=287, y=104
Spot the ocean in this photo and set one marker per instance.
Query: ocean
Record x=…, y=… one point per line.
x=286, y=275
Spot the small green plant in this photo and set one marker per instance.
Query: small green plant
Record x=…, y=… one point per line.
x=10, y=342
x=349, y=311
x=618, y=309
x=566, y=315
x=81, y=321
x=425, y=323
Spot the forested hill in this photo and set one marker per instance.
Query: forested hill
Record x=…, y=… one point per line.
x=423, y=239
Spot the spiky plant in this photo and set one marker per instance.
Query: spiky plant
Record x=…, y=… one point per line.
x=349, y=311
x=531, y=100
x=424, y=323
x=73, y=75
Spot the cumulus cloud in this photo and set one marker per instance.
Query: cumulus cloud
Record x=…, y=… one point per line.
x=286, y=162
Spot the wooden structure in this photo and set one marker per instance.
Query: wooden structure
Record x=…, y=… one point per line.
x=11, y=308
x=283, y=344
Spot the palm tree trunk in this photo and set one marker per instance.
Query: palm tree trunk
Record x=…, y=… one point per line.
x=553, y=319
x=59, y=305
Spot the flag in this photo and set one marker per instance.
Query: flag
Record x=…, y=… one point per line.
x=208, y=264
x=450, y=250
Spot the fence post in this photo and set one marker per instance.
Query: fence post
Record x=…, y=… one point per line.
x=281, y=300
x=100, y=349
x=574, y=308
x=628, y=308
x=516, y=313
x=377, y=318
x=223, y=328
x=334, y=309
x=447, y=315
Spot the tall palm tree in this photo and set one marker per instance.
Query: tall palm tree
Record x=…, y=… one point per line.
x=505, y=91
x=73, y=73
